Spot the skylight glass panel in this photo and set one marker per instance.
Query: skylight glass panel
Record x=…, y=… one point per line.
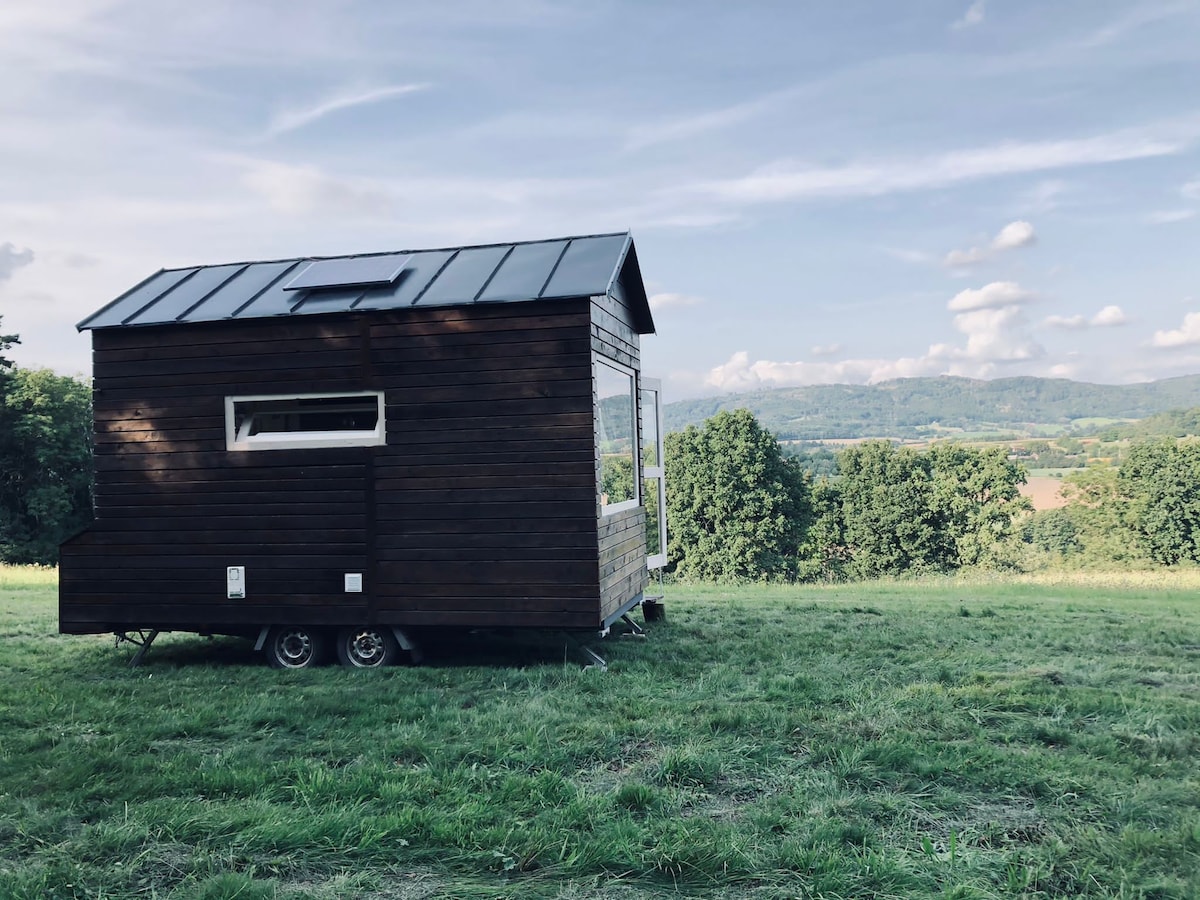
x=358, y=271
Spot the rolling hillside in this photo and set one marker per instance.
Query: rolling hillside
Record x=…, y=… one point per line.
x=916, y=408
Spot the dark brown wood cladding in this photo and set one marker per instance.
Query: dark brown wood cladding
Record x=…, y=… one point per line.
x=481, y=509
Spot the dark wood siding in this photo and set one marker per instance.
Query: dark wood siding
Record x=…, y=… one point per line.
x=174, y=508
x=486, y=491
x=480, y=510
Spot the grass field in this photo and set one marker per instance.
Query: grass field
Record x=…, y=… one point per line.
x=952, y=739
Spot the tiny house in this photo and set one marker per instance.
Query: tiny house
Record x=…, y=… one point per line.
x=337, y=453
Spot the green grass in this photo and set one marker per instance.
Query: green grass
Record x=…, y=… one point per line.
x=951, y=738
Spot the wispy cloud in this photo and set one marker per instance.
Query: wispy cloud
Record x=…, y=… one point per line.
x=1170, y=216
x=972, y=17
x=12, y=259
x=290, y=120
x=689, y=126
x=790, y=181
x=1109, y=317
x=1144, y=14
x=1011, y=237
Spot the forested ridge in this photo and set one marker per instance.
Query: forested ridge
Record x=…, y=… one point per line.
x=916, y=408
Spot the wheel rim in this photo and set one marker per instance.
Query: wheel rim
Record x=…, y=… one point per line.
x=366, y=649
x=294, y=648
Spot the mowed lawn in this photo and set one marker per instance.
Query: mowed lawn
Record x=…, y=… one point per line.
x=948, y=738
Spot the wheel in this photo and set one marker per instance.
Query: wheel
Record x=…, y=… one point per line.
x=367, y=647
x=295, y=647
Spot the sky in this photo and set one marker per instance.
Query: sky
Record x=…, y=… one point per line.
x=819, y=192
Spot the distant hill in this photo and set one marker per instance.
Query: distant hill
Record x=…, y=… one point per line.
x=921, y=408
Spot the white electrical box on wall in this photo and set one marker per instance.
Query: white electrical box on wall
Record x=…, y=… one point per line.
x=235, y=582
x=354, y=582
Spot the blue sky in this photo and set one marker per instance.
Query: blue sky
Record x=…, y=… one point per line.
x=820, y=192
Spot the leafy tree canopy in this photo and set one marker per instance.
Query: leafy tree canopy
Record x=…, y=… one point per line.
x=45, y=463
x=738, y=510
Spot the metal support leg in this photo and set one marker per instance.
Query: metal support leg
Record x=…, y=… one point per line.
x=597, y=661
x=635, y=630
x=593, y=659
x=141, y=653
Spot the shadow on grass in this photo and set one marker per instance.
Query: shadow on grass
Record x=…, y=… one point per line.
x=499, y=648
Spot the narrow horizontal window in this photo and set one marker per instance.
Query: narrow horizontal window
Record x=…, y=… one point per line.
x=304, y=420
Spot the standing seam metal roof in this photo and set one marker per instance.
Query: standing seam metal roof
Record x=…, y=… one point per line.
x=556, y=269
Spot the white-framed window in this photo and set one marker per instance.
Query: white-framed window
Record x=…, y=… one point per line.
x=616, y=435
x=290, y=421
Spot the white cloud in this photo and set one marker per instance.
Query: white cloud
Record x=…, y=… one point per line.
x=996, y=335
x=790, y=181
x=1191, y=190
x=996, y=295
x=1110, y=316
x=972, y=17
x=962, y=259
x=1185, y=335
x=298, y=118
x=1014, y=235
x=673, y=301
x=1011, y=237
x=12, y=259
x=740, y=374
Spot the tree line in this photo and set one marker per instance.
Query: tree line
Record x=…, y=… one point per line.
x=45, y=460
x=739, y=509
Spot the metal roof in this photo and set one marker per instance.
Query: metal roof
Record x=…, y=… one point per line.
x=561, y=268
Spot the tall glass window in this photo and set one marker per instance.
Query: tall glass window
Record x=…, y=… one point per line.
x=617, y=426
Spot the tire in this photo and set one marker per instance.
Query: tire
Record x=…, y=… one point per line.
x=296, y=647
x=367, y=647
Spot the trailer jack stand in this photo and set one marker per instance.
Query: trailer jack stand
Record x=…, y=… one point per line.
x=143, y=641
x=592, y=659
x=635, y=630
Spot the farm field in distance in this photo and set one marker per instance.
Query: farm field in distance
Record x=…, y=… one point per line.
x=952, y=738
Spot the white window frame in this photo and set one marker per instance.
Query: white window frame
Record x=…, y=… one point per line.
x=609, y=509
x=654, y=385
x=294, y=440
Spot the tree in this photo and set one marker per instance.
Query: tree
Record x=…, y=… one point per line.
x=894, y=511
x=1162, y=481
x=6, y=341
x=976, y=495
x=737, y=508
x=1100, y=510
x=6, y=365
x=45, y=464
x=889, y=516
